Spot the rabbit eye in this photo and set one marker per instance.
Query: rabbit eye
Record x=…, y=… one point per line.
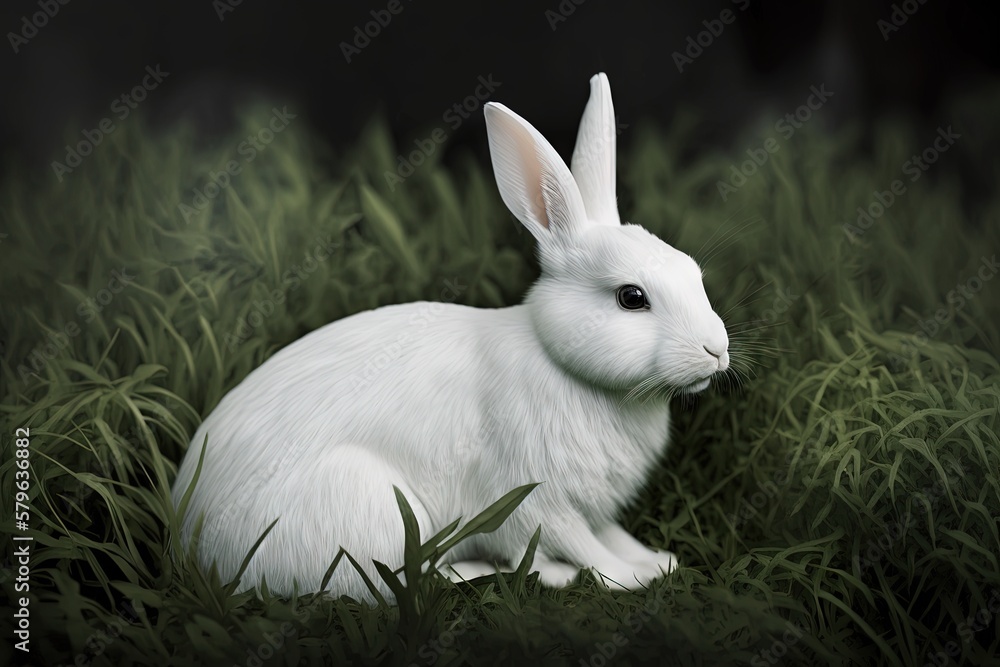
x=631, y=297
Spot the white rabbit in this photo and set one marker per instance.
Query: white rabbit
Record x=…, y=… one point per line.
x=569, y=389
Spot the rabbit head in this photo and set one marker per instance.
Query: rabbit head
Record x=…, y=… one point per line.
x=614, y=305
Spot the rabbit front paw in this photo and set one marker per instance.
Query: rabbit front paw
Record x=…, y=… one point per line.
x=552, y=573
x=626, y=576
x=664, y=560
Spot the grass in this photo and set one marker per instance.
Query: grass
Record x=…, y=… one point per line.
x=838, y=507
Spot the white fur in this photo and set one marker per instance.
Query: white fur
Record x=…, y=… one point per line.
x=457, y=405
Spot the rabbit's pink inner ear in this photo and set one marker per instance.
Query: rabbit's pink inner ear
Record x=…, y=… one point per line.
x=534, y=182
x=557, y=213
x=517, y=167
x=534, y=177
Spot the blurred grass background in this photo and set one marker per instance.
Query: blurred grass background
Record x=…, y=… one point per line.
x=840, y=507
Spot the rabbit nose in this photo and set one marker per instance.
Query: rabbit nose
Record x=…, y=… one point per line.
x=722, y=356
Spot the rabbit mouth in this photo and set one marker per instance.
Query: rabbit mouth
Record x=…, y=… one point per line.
x=664, y=388
x=696, y=387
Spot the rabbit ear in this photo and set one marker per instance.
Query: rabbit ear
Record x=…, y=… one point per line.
x=594, y=156
x=535, y=183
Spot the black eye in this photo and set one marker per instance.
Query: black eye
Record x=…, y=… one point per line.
x=631, y=297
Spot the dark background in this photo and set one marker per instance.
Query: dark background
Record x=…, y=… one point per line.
x=430, y=55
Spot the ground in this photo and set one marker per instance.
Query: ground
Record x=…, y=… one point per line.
x=837, y=506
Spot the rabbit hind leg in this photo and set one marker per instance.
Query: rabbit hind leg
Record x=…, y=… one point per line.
x=342, y=499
